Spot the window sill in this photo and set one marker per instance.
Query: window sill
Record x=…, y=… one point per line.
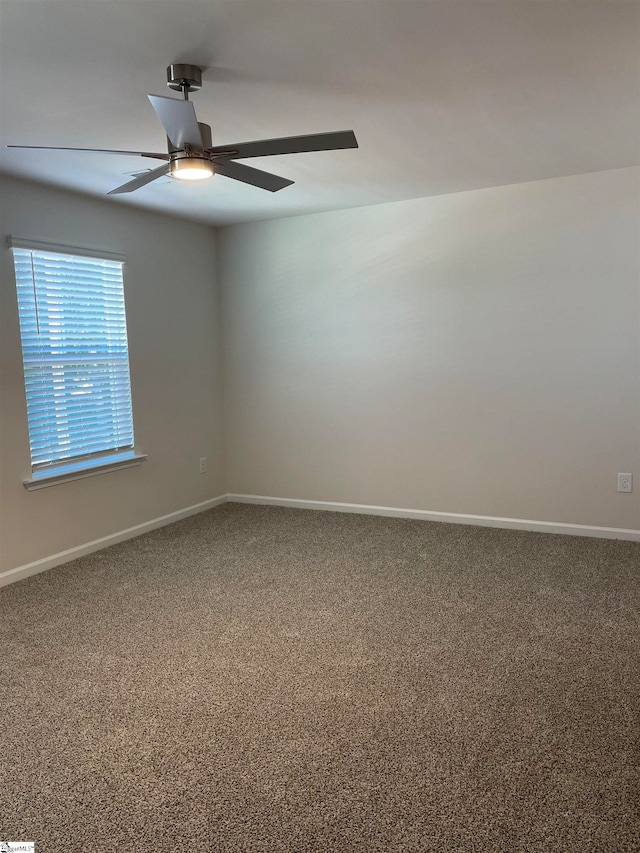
x=82, y=470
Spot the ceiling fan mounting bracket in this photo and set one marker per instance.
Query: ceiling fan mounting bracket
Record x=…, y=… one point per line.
x=184, y=78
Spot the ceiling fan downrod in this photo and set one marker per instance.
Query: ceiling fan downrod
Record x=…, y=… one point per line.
x=184, y=78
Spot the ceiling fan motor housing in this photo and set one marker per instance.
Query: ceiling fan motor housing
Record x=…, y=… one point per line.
x=187, y=163
x=205, y=133
x=184, y=78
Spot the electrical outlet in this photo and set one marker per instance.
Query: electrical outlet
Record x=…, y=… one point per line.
x=203, y=464
x=625, y=482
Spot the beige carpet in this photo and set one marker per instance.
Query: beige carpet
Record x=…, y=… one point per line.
x=265, y=679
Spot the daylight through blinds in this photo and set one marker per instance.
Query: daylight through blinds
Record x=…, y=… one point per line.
x=75, y=354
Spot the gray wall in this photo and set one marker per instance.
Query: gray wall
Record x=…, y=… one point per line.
x=174, y=343
x=472, y=353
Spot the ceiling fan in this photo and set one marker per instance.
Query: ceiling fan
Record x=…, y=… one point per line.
x=191, y=156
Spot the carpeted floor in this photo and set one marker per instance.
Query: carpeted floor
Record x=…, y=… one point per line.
x=267, y=680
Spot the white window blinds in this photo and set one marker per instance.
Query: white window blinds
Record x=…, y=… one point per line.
x=75, y=354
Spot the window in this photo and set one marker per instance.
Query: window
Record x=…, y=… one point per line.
x=76, y=362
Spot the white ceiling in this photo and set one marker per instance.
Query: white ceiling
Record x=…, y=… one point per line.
x=443, y=96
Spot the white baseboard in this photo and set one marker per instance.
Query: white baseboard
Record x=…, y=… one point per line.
x=449, y=517
x=332, y=506
x=38, y=566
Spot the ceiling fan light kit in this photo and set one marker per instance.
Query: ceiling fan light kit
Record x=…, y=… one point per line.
x=192, y=157
x=190, y=167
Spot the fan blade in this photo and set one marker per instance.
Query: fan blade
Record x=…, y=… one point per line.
x=289, y=145
x=140, y=181
x=248, y=175
x=179, y=121
x=94, y=150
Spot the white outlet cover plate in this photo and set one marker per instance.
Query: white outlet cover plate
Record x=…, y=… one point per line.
x=625, y=482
